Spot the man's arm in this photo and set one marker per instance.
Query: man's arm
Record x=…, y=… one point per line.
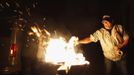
x=85, y=41
x=92, y=38
x=125, y=42
x=125, y=36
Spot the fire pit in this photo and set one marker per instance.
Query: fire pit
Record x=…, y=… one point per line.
x=62, y=52
x=74, y=70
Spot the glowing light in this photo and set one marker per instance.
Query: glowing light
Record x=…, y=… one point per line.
x=61, y=52
x=11, y=52
x=36, y=31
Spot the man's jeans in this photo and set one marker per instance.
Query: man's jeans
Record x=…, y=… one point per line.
x=121, y=66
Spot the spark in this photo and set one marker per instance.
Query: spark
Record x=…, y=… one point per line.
x=1, y=5
x=7, y=4
x=33, y=5
x=17, y=4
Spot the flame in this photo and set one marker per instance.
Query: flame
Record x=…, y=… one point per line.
x=55, y=52
x=38, y=31
x=61, y=52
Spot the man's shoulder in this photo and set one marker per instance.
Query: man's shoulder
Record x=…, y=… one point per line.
x=101, y=30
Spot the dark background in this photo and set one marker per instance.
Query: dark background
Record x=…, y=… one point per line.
x=71, y=18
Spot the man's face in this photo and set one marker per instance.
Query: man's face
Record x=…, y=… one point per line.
x=107, y=24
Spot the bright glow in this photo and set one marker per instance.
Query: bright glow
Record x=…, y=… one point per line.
x=55, y=52
x=63, y=53
x=11, y=52
x=36, y=31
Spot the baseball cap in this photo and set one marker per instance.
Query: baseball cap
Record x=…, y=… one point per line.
x=107, y=18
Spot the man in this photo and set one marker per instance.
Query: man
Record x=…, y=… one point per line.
x=112, y=39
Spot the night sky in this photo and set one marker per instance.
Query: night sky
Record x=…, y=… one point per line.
x=75, y=16
x=69, y=18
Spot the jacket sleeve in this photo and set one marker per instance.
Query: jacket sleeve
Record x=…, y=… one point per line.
x=95, y=36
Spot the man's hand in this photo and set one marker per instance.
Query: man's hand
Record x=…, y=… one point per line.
x=120, y=46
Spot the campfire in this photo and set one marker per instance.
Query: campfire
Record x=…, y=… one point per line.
x=59, y=51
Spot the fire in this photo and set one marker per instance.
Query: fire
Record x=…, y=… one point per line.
x=61, y=52
x=55, y=52
x=36, y=31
